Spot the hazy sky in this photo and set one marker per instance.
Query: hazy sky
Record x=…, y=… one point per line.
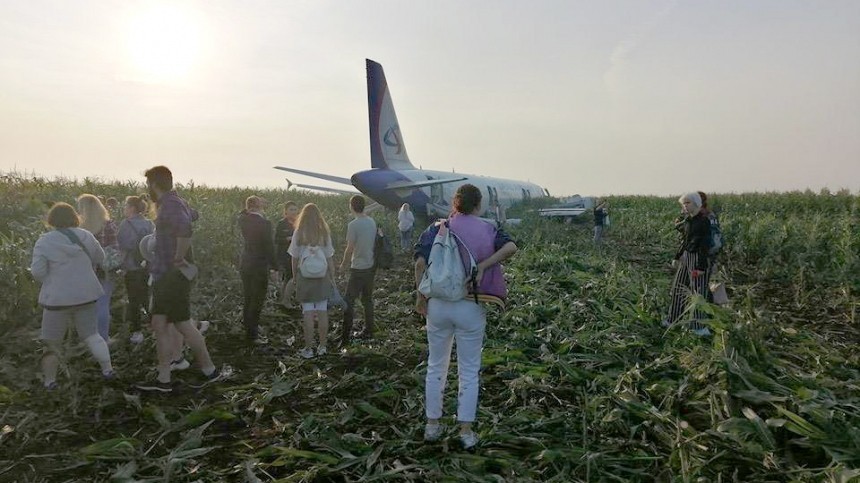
x=590, y=97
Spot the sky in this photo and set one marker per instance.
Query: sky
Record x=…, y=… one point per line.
x=591, y=97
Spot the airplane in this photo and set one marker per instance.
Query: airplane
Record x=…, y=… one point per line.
x=394, y=180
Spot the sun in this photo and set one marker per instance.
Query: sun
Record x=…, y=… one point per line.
x=163, y=44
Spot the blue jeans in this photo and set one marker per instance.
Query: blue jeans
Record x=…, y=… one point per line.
x=103, y=309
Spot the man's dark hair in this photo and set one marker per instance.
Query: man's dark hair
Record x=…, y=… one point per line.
x=467, y=198
x=63, y=215
x=290, y=204
x=160, y=177
x=357, y=203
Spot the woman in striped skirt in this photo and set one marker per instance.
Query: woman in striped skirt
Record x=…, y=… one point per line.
x=691, y=262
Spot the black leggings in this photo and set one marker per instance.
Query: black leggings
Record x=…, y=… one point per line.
x=138, y=297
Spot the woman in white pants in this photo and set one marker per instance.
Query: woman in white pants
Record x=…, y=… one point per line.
x=462, y=321
x=63, y=262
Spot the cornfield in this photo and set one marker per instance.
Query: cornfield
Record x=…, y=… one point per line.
x=580, y=382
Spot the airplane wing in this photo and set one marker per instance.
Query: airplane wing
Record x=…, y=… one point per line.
x=327, y=177
x=323, y=188
x=400, y=185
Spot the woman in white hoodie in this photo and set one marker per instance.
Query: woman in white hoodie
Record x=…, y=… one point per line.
x=63, y=262
x=405, y=223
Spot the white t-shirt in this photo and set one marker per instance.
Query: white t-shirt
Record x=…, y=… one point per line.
x=406, y=220
x=297, y=251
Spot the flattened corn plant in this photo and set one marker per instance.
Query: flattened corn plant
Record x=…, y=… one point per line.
x=580, y=382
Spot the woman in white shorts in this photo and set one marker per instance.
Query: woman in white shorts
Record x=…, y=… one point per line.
x=312, y=251
x=63, y=262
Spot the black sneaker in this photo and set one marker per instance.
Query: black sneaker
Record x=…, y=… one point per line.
x=210, y=378
x=157, y=386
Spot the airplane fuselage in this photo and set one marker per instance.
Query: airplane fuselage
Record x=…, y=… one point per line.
x=394, y=180
x=436, y=200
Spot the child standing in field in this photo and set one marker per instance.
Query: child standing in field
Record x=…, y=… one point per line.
x=463, y=321
x=691, y=261
x=131, y=231
x=312, y=251
x=96, y=219
x=63, y=262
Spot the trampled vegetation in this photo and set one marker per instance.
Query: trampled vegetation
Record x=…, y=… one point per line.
x=580, y=382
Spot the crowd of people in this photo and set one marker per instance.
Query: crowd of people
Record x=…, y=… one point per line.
x=76, y=263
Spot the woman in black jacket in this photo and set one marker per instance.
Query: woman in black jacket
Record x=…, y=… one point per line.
x=692, y=263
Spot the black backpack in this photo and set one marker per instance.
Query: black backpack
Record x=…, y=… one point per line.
x=383, y=255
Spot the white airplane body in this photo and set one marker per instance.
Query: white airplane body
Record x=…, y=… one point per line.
x=394, y=180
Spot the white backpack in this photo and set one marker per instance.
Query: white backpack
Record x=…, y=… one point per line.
x=313, y=263
x=445, y=277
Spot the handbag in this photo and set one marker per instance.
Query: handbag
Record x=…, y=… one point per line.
x=335, y=299
x=288, y=292
x=718, y=290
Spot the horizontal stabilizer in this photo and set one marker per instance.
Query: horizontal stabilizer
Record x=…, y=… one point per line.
x=421, y=184
x=327, y=177
x=325, y=189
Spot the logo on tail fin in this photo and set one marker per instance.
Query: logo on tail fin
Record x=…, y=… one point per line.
x=392, y=138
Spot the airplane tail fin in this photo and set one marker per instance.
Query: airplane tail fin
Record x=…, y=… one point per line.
x=387, y=149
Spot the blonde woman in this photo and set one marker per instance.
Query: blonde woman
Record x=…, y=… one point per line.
x=405, y=224
x=312, y=251
x=95, y=218
x=63, y=261
x=692, y=264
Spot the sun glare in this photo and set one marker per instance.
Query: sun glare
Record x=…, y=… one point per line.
x=164, y=44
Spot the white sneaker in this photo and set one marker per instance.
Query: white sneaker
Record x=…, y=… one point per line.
x=469, y=440
x=703, y=332
x=203, y=326
x=321, y=350
x=433, y=432
x=180, y=365
x=665, y=323
x=136, y=338
x=307, y=353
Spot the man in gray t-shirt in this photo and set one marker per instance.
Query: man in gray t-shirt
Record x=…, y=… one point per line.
x=360, y=239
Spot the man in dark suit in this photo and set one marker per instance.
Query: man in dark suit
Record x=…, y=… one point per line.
x=258, y=260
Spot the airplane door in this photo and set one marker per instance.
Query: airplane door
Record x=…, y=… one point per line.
x=437, y=195
x=494, y=197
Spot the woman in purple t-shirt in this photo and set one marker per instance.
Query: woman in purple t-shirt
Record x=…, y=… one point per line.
x=464, y=320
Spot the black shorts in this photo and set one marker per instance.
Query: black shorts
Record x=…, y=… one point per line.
x=171, y=296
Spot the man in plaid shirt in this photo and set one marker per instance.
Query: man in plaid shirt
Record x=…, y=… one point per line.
x=172, y=271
